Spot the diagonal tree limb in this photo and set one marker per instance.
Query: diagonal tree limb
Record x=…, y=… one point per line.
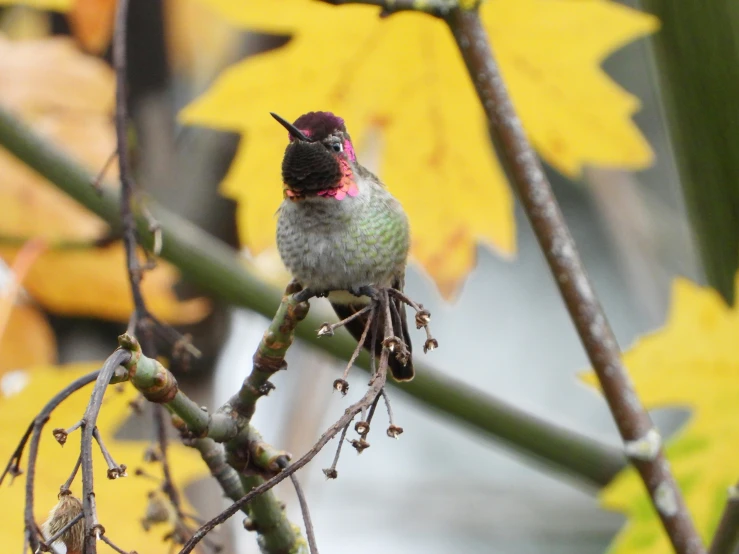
x=641, y=439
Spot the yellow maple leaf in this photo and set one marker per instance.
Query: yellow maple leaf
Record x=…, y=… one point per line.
x=121, y=503
x=27, y=340
x=189, y=24
x=68, y=97
x=691, y=362
x=404, y=76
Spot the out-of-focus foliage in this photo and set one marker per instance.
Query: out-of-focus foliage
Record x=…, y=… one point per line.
x=26, y=338
x=404, y=77
x=691, y=362
x=56, y=5
x=121, y=503
x=199, y=39
x=91, y=23
x=68, y=96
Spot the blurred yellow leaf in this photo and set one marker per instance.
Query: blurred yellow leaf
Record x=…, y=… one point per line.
x=55, y=5
x=121, y=503
x=691, y=362
x=24, y=23
x=404, y=76
x=91, y=23
x=27, y=340
x=68, y=97
x=93, y=282
x=189, y=25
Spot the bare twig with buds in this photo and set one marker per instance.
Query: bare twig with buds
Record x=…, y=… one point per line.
x=93, y=529
x=377, y=382
x=33, y=433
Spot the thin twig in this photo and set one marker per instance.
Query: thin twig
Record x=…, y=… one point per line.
x=327, y=329
x=161, y=434
x=130, y=241
x=34, y=433
x=98, y=181
x=309, y=531
x=62, y=434
x=50, y=541
x=111, y=544
x=727, y=533
x=114, y=470
x=341, y=384
x=641, y=439
x=371, y=414
x=68, y=483
x=392, y=430
x=92, y=527
x=332, y=473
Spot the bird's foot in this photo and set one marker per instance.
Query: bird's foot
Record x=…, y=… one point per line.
x=306, y=294
x=365, y=290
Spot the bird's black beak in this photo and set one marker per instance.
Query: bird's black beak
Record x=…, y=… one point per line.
x=292, y=129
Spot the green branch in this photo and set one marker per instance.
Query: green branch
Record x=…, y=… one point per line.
x=239, y=464
x=219, y=270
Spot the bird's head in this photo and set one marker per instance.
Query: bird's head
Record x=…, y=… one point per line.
x=319, y=158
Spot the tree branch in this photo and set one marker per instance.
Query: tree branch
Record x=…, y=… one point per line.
x=377, y=382
x=128, y=219
x=93, y=529
x=220, y=270
x=247, y=456
x=214, y=456
x=34, y=434
x=641, y=438
x=726, y=536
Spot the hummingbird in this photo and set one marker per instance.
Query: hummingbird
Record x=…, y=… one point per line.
x=340, y=231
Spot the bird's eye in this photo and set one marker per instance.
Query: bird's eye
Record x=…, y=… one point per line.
x=337, y=147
